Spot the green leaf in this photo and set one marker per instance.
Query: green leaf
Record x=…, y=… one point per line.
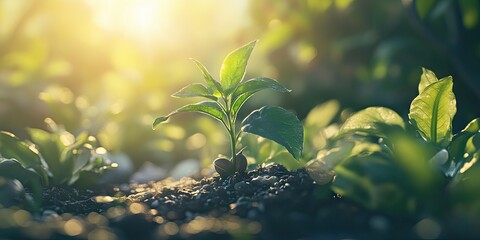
x=463, y=147
x=49, y=146
x=12, y=147
x=233, y=67
x=432, y=112
x=322, y=115
x=459, y=141
x=194, y=90
x=277, y=124
x=377, y=121
x=246, y=89
x=210, y=108
x=13, y=169
x=373, y=181
x=214, y=87
x=427, y=78
x=284, y=158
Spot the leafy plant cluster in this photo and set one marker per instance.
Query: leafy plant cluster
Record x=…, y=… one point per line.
x=225, y=101
x=49, y=158
x=385, y=163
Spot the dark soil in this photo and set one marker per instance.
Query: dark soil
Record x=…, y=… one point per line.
x=266, y=203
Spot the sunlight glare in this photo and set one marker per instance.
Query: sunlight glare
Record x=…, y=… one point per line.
x=143, y=20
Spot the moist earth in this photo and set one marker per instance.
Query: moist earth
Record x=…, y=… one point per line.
x=266, y=203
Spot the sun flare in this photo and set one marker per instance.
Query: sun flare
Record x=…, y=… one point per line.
x=143, y=20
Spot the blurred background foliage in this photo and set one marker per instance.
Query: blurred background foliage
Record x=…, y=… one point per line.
x=109, y=66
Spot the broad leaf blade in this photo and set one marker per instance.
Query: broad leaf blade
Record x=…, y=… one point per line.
x=373, y=181
x=49, y=146
x=432, y=112
x=213, y=86
x=210, y=108
x=194, y=90
x=277, y=124
x=13, y=169
x=428, y=77
x=459, y=141
x=12, y=147
x=377, y=121
x=233, y=67
x=463, y=147
x=284, y=158
x=246, y=89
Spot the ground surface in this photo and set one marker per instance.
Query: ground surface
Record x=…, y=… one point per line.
x=266, y=203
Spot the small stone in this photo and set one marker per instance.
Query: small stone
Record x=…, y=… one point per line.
x=239, y=186
x=49, y=213
x=242, y=200
x=264, y=180
x=155, y=203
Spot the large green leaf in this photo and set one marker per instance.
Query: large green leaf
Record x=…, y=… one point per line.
x=194, y=90
x=246, y=89
x=210, y=108
x=377, y=121
x=463, y=147
x=49, y=146
x=432, y=112
x=12, y=147
x=428, y=77
x=74, y=158
x=373, y=181
x=214, y=87
x=13, y=169
x=233, y=67
x=277, y=124
x=459, y=141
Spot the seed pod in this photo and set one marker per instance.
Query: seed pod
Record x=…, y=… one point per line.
x=241, y=162
x=223, y=166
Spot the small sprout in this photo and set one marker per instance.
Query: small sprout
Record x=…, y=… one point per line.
x=225, y=99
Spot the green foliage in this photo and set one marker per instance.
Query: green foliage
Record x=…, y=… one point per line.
x=228, y=96
x=11, y=169
x=13, y=148
x=373, y=121
x=55, y=157
x=432, y=111
x=278, y=125
x=67, y=156
x=464, y=148
x=234, y=66
x=319, y=130
x=397, y=167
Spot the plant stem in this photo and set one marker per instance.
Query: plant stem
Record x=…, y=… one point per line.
x=233, y=142
x=231, y=131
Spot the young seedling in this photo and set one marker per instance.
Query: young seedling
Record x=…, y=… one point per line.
x=225, y=100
